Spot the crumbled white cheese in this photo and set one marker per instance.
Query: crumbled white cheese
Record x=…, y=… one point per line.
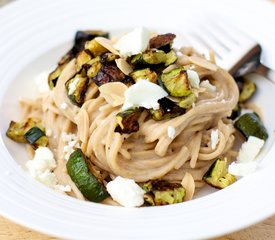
x=133, y=42
x=73, y=85
x=193, y=78
x=41, y=81
x=48, y=178
x=171, y=132
x=242, y=169
x=143, y=94
x=41, y=168
x=64, y=106
x=250, y=149
x=214, y=138
x=208, y=86
x=43, y=160
x=49, y=132
x=71, y=144
x=246, y=163
x=126, y=192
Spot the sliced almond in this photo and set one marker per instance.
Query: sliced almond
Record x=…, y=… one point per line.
x=170, y=68
x=124, y=67
x=203, y=63
x=113, y=93
x=107, y=44
x=189, y=184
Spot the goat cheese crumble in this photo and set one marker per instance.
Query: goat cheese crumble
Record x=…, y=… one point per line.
x=246, y=163
x=193, y=78
x=41, y=168
x=133, y=42
x=208, y=86
x=214, y=138
x=126, y=192
x=171, y=132
x=64, y=106
x=143, y=94
x=71, y=144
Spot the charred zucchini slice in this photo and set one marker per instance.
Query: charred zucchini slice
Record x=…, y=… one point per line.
x=85, y=181
x=82, y=37
x=248, y=90
x=76, y=89
x=108, y=73
x=153, y=57
x=188, y=101
x=167, y=110
x=29, y=131
x=17, y=130
x=162, y=42
x=176, y=82
x=250, y=124
x=163, y=193
x=144, y=74
x=36, y=137
x=108, y=57
x=217, y=176
x=95, y=48
x=236, y=112
x=53, y=76
x=82, y=58
x=128, y=121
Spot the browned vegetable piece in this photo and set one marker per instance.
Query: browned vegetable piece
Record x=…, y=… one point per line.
x=82, y=58
x=128, y=121
x=144, y=74
x=167, y=109
x=17, y=130
x=162, y=193
x=108, y=57
x=108, y=73
x=54, y=75
x=162, y=42
x=95, y=48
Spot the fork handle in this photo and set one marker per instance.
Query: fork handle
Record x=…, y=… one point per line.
x=248, y=63
x=266, y=72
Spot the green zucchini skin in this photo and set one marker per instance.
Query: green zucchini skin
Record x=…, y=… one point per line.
x=33, y=135
x=85, y=181
x=250, y=124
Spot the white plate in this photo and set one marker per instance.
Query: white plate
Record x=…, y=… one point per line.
x=34, y=34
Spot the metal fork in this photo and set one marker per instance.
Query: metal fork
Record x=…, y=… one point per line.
x=234, y=50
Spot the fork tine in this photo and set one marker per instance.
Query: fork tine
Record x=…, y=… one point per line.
x=235, y=34
x=193, y=42
x=210, y=42
x=220, y=37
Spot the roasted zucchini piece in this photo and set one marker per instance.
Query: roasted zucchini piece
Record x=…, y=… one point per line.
x=108, y=73
x=108, y=57
x=17, y=130
x=167, y=109
x=76, y=89
x=153, y=57
x=82, y=37
x=82, y=58
x=248, y=90
x=217, y=176
x=94, y=69
x=163, y=193
x=236, y=112
x=85, y=181
x=171, y=57
x=162, y=42
x=95, y=48
x=128, y=121
x=144, y=74
x=176, y=82
x=36, y=137
x=250, y=124
x=54, y=75
x=188, y=101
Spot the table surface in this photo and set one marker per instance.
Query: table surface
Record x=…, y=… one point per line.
x=263, y=230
